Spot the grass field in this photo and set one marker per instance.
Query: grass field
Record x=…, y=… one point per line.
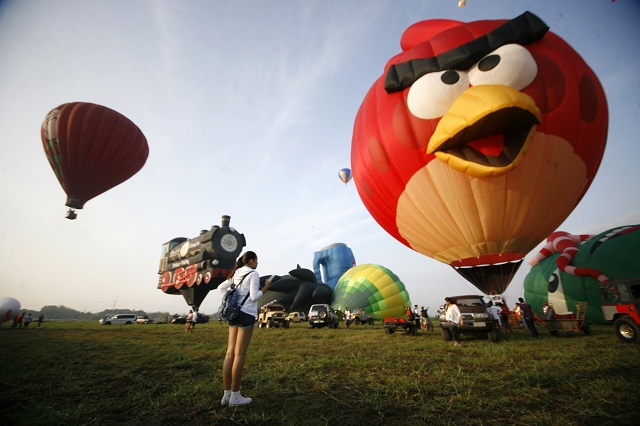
x=80, y=373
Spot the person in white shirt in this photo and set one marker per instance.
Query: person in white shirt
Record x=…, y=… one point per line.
x=455, y=320
x=241, y=329
x=347, y=316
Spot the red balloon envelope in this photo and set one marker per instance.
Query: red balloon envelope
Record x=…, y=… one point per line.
x=478, y=141
x=91, y=149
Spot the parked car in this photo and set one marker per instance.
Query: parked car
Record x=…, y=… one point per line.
x=475, y=318
x=297, y=317
x=322, y=315
x=143, y=319
x=118, y=319
x=620, y=301
x=360, y=316
x=202, y=319
x=273, y=315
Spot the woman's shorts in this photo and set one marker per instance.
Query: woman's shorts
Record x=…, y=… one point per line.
x=245, y=320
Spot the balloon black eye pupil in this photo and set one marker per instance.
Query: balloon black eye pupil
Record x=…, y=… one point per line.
x=450, y=77
x=489, y=63
x=554, y=283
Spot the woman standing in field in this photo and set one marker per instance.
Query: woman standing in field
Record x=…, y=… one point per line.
x=241, y=329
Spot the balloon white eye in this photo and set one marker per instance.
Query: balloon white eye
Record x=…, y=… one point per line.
x=432, y=95
x=510, y=65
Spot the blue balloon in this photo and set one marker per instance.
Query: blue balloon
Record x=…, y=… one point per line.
x=345, y=175
x=332, y=261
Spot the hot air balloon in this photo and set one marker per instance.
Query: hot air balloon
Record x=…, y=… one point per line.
x=478, y=141
x=332, y=262
x=345, y=175
x=91, y=149
x=9, y=308
x=613, y=253
x=373, y=288
x=297, y=291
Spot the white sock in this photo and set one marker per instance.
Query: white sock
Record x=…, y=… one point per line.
x=227, y=392
x=235, y=393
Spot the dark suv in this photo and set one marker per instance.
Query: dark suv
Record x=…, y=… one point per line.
x=475, y=318
x=322, y=315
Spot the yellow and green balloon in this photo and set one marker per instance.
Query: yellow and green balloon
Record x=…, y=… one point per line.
x=373, y=288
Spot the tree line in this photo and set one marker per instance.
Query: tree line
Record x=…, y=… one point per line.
x=52, y=312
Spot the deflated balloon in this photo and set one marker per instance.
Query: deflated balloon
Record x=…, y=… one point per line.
x=478, y=141
x=373, y=288
x=91, y=149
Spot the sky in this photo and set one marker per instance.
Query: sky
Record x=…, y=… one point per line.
x=248, y=108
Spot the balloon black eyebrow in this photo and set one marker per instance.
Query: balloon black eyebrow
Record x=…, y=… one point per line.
x=524, y=29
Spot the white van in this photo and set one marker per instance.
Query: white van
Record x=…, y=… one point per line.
x=119, y=319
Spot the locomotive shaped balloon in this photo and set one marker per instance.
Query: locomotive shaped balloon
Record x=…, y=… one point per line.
x=194, y=266
x=478, y=141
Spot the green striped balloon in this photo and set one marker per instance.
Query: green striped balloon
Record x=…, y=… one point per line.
x=373, y=288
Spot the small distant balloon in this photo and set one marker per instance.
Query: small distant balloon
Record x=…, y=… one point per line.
x=345, y=175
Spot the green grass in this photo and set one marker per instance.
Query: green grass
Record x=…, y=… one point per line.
x=80, y=373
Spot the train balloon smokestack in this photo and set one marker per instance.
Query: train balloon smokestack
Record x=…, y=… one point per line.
x=225, y=220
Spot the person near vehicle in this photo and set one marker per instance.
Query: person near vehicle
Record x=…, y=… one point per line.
x=416, y=317
x=187, y=323
x=527, y=314
x=347, y=316
x=504, y=316
x=494, y=312
x=241, y=329
x=194, y=319
x=455, y=319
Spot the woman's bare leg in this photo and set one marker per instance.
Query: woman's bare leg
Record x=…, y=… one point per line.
x=241, y=344
x=227, y=366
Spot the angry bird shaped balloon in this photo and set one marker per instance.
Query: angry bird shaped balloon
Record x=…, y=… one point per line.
x=478, y=141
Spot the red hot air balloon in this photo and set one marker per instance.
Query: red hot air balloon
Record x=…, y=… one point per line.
x=91, y=149
x=478, y=141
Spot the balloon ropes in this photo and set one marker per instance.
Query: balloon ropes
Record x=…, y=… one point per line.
x=345, y=175
x=91, y=149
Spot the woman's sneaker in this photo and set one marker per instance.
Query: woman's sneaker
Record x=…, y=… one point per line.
x=237, y=399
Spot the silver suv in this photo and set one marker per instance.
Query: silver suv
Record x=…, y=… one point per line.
x=119, y=319
x=475, y=318
x=322, y=315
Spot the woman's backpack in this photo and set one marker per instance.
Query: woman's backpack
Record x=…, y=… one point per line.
x=230, y=307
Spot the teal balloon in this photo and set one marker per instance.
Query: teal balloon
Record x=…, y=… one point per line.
x=615, y=252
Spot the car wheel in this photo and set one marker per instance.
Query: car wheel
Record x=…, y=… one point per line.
x=446, y=335
x=626, y=329
x=128, y=323
x=322, y=314
x=371, y=322
x=269, y=323
x=357, y=321
x=107, y=323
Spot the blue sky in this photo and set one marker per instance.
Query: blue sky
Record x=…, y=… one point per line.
x=248, y=108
